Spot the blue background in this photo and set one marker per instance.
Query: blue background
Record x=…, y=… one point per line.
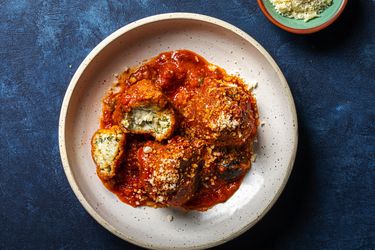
x=329, y=201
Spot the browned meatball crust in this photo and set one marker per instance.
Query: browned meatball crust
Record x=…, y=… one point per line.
x=170, y=172
x=221, y=113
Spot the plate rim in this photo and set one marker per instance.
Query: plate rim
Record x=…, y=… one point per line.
x=113, y=36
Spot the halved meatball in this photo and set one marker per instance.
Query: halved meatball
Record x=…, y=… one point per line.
x=143, y=109
x=170, y=172
x=107, y=149
x=222, y=113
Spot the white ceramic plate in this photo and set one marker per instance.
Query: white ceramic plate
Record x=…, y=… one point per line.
x=223, y=45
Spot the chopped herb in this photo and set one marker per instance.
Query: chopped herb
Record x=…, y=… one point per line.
x=200, y=81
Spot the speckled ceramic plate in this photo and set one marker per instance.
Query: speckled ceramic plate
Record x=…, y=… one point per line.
x=221, y=44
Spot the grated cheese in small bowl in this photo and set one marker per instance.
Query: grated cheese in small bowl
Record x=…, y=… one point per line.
x=301, y=9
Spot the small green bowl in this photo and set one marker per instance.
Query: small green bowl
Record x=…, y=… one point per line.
x=327, y=17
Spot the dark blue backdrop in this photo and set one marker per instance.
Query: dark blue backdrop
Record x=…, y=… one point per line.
x=329, y=202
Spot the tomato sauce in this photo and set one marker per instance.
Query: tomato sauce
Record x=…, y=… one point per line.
x=183, y=75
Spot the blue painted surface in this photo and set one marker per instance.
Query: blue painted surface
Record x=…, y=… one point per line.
x=329, y=202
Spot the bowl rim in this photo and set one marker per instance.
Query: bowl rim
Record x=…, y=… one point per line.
x=302, y=31
x=116, y=34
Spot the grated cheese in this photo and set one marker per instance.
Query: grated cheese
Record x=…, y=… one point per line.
x=170, y=218
x=147, y=149
x=224, y=121
x=301, y=9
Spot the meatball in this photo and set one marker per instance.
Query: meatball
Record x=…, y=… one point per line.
x=170, y=172
x=221, y=113
x=143, y=109
x=107, y=149
x=232, y=164
x=227, y=163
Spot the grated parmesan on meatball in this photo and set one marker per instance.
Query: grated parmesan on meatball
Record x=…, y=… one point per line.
x=170, y=172
x=222, y=113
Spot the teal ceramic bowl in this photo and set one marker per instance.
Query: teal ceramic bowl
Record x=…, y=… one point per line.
x=327, y=17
